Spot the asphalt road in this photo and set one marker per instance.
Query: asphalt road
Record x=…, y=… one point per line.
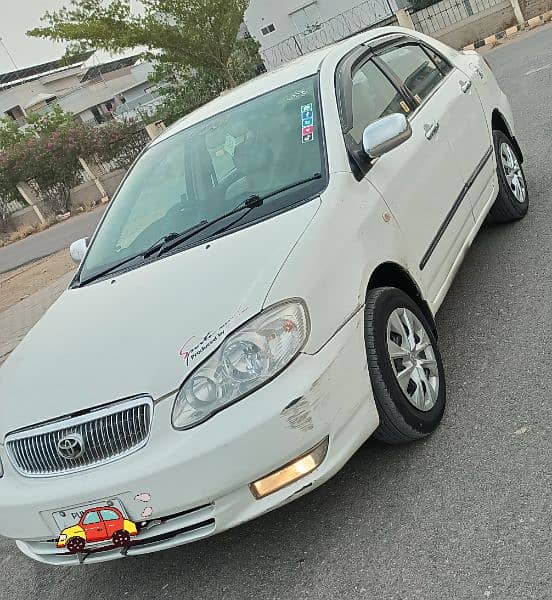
x=47, y=242
x=463, y=515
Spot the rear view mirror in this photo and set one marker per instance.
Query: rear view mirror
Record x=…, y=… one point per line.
x=385, y=134
x=78, y=249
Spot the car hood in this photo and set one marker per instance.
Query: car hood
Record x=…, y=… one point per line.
x=144, y=331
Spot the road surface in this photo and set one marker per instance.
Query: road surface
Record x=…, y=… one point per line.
x=47, y=242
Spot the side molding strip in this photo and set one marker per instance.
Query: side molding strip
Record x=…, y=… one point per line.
x=455, y=208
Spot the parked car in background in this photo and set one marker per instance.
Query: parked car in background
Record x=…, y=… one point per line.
x=259, y=298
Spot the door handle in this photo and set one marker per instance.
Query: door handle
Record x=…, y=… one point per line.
x=431, y=130
x=465, y=86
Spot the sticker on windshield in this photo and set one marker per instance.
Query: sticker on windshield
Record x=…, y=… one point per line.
x=307, y=123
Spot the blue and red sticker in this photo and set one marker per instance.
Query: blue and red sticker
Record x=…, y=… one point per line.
x=307, y=123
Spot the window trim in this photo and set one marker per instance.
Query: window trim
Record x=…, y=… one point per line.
x=356, y=59
x=345, y=72
x=415, y=105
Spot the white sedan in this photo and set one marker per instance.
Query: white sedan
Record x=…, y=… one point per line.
x=258, y=300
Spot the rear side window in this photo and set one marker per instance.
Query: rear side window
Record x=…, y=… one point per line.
x=109, y=515
x=374, y=96
x=443, y=66
x=414, y=66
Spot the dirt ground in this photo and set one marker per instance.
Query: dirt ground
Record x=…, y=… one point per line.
x=20, y=283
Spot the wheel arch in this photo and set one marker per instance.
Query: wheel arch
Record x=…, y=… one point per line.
x=391, y=274
x=499, y=123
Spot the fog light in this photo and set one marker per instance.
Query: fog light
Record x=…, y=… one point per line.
x=290, y=473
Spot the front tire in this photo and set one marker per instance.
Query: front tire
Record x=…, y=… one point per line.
x=405, y=365
x=512, y=202
x=75, y=545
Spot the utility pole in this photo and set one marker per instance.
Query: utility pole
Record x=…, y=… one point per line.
x=8, y=53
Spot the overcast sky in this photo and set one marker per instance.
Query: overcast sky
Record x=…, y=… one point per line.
x=17, y=17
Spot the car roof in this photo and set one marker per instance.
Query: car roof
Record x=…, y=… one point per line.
x=302, y=67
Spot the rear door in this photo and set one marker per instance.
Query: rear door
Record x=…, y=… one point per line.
x=466, y=124
x=112, y=520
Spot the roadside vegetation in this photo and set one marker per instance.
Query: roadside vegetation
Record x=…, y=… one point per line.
x=198, y=50
x=46, y=156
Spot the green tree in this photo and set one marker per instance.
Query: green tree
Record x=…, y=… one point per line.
x=201, y=35
x=185, y=88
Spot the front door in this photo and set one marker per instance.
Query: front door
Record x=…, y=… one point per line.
x=94, y=527
x=420, y=181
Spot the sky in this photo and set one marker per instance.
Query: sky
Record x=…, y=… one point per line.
x=16, y=18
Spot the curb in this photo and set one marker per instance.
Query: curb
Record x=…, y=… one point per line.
x=493, y=40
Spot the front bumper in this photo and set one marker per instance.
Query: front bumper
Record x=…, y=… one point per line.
x=198, y=480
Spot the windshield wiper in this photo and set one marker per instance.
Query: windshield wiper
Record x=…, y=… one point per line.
x=157, y=247
x=247, y=205
x=173, y=240
x=256, y=200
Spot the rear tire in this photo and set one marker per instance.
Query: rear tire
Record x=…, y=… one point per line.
x=405, y=365
x=512, y=202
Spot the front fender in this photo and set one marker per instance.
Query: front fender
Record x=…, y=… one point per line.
x=331, y=265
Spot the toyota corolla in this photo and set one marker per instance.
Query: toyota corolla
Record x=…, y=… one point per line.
x=258, y=300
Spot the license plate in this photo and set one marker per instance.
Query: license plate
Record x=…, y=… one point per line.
x=71, y=516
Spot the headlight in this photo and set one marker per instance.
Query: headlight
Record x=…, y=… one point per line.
x=248, y=359
x=62, y=537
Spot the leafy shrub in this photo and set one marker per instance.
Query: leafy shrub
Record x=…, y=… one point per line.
x=47, y=154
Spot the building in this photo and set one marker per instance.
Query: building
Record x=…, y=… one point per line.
x=93, y=92
x=289, y=28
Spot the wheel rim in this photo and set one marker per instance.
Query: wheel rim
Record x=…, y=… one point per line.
x=513, y=172
x=413, y=359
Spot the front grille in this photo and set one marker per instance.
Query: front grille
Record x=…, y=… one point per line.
x=78, y=443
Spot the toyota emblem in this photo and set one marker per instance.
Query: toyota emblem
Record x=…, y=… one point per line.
x=71, y=446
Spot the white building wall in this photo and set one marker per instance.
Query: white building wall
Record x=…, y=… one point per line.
x=262, y=13
x=133, y=80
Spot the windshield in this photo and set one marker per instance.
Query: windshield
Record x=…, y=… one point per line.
x=268, y=144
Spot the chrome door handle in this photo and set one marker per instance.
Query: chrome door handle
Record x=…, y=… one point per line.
x=431, y=130
x=465, y=86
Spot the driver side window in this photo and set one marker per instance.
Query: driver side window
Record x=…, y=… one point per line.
x=91, y=518
x=374, y=96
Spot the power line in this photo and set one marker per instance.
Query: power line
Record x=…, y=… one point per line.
x=8, y=53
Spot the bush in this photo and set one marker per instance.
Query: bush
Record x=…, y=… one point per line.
x=47, y=155
x=117, y=143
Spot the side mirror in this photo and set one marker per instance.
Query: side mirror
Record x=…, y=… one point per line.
x=78, y=249
x=385, y=134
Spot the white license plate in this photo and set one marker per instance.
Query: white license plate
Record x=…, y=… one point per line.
x=71, y=516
